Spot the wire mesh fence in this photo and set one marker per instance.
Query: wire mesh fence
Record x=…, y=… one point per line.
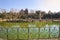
x=30, y=33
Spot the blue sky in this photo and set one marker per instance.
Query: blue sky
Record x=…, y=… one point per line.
x=45, y=5
x=18, y=4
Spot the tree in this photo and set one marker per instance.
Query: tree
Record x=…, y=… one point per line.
x=38, y=14
x=26, y=13
x=4, y=13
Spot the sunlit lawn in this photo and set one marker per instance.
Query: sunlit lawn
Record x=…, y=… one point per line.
x=26, y=24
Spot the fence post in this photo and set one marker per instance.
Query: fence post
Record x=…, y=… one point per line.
x=59, y=33
x=7, y=33
x=49, y=32
x=17, y=33
x=28, y=33
x=39, y=34
x=54, y=29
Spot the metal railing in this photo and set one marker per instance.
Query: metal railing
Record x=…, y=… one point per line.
x=18, y=33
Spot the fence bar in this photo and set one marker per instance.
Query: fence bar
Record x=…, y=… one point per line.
x=7, y=33
x=49, y=32
x=28, y=34
x=39, y=34
x=17, y=33
x=59, y=33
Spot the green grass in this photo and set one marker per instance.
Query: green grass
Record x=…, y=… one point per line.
x=25, y=24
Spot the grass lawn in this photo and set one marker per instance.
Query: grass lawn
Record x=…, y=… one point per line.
x=26, y=24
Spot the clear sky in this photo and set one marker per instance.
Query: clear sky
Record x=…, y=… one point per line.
x=45, y=5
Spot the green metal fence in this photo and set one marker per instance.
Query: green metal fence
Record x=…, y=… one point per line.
x=18, y=33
